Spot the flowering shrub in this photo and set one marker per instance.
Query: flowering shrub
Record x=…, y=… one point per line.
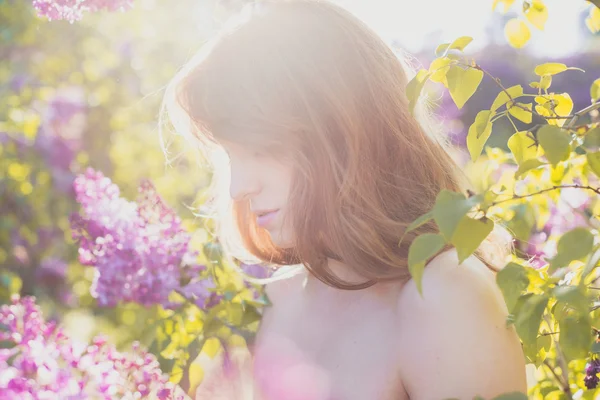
x=39, y=361
x=141, y=271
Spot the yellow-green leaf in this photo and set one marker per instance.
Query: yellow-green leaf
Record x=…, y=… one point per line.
x=595, y=90
x=449, y=209
x=555, y=142
x=576, y=244
x=593, y=20
x=575, y=337
x=535, y=85
x=552, y=69
x=529, y=318
x=438, y=69
x=554, y=105
x=414, y=87
x=593, y=160
x=462, y=83
x=545, y=82
x=511, y=396
x=527, y=166
x=522, y=112
x=537, y=14
x=422, y=220
x=591, y=140
x=421, y=250
x=512, y=281
x=460, y=43
x=517, y=33
x=505, y=96
x=469, y=234
x=479, y=132
x=523, y=146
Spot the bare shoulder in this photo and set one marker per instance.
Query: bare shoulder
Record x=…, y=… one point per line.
x=445, y=280
x=455, y=334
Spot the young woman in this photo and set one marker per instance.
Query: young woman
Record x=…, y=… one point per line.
x=327, y=168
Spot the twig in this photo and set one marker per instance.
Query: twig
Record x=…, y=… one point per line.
x=561, y=384
x=517, y=197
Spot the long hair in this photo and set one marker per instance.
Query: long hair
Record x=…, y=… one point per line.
x=311, y=82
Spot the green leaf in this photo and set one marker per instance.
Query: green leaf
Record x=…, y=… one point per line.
x=414, y=88
x=421, y=250
x=555, y=142
x=523, y=146
x=469, y=234
x=449, y=209
x=422, y=220
x=511, y=396
x=593, y=160
x=505, y=96
x=575, y=337
x=529, y=318
x=512, y=281
x=462, y=83
x=573, y=245
x=591, y=263
x=595, y=90
x=522, y=112
x=479, y=132
x=574, y=297
x=517, y=33
x=528, y=166
x=591, y=140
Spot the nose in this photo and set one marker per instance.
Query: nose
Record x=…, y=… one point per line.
x=244, y=183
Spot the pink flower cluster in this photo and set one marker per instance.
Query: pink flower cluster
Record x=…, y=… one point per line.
x=139, y=249
x=72, y=10
x=39, y=361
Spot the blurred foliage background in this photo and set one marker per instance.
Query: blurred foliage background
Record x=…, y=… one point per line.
x=88, y=93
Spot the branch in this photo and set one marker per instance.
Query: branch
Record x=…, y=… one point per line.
x=517, y=197
x=561, y=384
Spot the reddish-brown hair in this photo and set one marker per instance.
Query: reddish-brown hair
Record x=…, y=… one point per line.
x=310, y=81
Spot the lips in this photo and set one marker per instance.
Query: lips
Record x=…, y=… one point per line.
x=265, y=217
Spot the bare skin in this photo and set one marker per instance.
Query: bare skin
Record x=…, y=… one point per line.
x=388, y=342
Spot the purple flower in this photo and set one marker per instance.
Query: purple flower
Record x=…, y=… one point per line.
x=138, y=249
x=202, y=293
x=72, y=10
x=591, y=373
x=258, y=271
x=41, y=362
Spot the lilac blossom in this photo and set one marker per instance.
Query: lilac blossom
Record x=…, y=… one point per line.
x=72, y=10
x=140, y=250
x=39, y=361
x=591, y=374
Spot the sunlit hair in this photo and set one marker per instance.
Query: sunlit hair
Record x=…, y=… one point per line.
x=310, y=82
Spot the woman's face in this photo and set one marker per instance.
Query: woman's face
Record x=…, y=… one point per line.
x=264, y=180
